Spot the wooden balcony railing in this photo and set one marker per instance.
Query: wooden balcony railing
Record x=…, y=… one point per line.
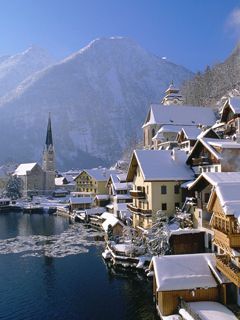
x=229, y=269
x=231, y=240
x=134, y=209
x=201, y=161
x=138, y=194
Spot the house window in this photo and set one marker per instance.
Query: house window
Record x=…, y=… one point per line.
x=206, y=197
x=164, y=206
x=163, y=189
x=216, y=169
x=176, y=189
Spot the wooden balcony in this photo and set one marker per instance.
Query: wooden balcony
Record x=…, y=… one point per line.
x=232, y=272
x=201, y=161
x=138, y=194
x=231, y=240
x=137, y=210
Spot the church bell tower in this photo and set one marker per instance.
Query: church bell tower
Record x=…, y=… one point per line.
x=48, y=164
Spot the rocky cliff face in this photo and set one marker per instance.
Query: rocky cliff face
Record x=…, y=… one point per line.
x=98, y=98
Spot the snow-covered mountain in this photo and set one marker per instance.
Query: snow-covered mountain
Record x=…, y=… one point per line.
x=98, y=98
x=14, y=69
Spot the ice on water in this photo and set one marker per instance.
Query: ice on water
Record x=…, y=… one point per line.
x=75, y=240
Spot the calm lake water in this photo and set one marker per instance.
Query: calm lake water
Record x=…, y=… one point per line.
x=52, y=270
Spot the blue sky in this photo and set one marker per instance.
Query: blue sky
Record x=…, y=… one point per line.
x=193, y=33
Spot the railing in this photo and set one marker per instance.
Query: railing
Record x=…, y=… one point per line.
x=202, y=161
x=137, y=194
x=231, y=240
x=138, y=210
x=228, y=268
x=184, y=305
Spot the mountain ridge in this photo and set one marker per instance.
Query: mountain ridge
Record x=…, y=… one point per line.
x=98, y=98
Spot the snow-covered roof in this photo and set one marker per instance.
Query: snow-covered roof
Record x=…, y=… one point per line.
x=123, y=196
x=93, y=211
x=211, y=310
x=229, y=196
x=106, y=215
x=188, y=184
x=158, y=165
x=102, y=196
x=100, y=174
x=23, y=168
x=180, y=115
x=117, y=184
x=214, y=178
x=191, y=132
x=211, y=144
x=111, y=220
x=80, y=200
x=184, y=272
x=234, y=103
x=59, y=181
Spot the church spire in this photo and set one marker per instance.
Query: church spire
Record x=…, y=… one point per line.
x=49, y=139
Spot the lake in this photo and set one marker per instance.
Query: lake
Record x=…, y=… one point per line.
x=51, y=269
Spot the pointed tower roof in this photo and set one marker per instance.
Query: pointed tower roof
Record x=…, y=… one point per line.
x=49, y=139
x=173, y=96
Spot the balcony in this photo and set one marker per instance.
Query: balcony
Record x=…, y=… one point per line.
x=230, y=240
x=138, y=194
x=201, y=161
x=225, y=265
x=137, y=210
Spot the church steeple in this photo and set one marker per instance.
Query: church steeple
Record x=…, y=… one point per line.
x=49, y=139
x=48, y=153
x=173, y=96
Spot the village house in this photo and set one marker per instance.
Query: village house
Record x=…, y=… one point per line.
x=224, y=203
x=109, y=221
x=214, y=155
x=188, y=136
x=164, y=121
x=201, y=189
x=93, y=181
x=80, y=203
x=182, y=279
x=156, y=176
x=119, y=194
x=229, y=123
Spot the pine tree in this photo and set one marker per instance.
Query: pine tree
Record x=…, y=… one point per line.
x=158, y=235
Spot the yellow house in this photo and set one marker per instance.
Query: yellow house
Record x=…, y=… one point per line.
x=224, y=203
x=93, y=181
x=156, y=176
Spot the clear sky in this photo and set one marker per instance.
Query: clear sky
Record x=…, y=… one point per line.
x=193, y=33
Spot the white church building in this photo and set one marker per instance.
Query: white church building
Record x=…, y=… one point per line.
x=37, y=179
